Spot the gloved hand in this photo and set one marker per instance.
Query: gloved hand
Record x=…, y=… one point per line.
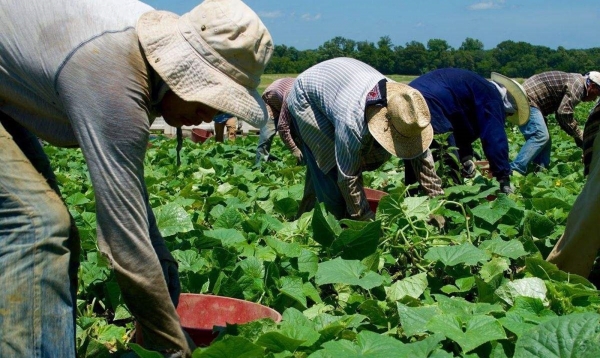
x=505, y=185
x=468, y=169
x=171, y=273
x=298, y=154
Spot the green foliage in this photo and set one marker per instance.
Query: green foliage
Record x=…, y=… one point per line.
x=403, y=285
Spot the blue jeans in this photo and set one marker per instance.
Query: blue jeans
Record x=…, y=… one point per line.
x=37, y=263
x=537, y=143
x=325, y=185
x=267, y=133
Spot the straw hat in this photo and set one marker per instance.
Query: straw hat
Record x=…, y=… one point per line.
x=517, y=92
x=403, y=127
x=214, y=54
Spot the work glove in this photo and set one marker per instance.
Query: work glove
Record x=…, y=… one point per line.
x=468, y=169
x=505, y=185
x=298, y=154
x=171, y=273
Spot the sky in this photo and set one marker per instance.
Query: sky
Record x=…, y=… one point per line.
x=307, y=24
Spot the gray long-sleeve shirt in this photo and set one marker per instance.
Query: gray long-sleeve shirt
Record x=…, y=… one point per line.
x=73, y=73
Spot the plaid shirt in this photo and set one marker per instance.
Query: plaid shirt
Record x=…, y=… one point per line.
x=558, y=92
x=327, y=103
x=275, y=98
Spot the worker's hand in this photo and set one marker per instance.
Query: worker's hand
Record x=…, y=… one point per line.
x=298, y=154
x=468, y=169
x=368, y=216
x=171, y=273
x=505, y=185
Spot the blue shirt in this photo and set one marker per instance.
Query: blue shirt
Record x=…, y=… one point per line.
x=469, y=106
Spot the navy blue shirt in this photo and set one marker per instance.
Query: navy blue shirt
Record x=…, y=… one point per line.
x=469, y=106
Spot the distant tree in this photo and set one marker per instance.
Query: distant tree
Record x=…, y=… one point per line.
x=337, y=47
x=439, y=54
x=470, y=44
x=384, y=59
x=412, y=59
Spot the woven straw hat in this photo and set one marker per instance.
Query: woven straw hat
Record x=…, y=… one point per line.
x=403, y=127
x=514, y=89
x=214, y=54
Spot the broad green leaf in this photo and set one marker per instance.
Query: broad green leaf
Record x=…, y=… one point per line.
x=293, y=287
x=284, y=248
x=417, y=207
x=526, y=287
x=229, y=219
x=414, y=319
x=495, y=211
x=512, y=249
x=537, y=225
x=172, y=219
x=547, y=203
x=575, y=335
x=189, y=260
x=358, y=244
x=461, y=254
x=468, y=331
x=297, y=326
x=288, y=207
x=277, y=342
x=230, y=347
x=548, y=271
x=349, y=272
x=374, y=310
x=228, y=237
x=77, y=199
x=495, y=266
x=308, y=262
x=412, y=286
x=368, y=344
x=143, y=352
x=323, y=232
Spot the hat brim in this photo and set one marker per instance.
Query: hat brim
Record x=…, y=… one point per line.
x=189, y=75
x=391, y=140
x=518, y=93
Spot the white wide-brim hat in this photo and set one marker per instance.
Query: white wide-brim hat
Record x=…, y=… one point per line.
x=403, y=127
x=215, y=54
x=517, y=92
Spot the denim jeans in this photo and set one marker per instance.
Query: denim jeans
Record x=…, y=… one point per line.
x=36, y=263
x=267, y=133
x=325, y=185
x=537, y=143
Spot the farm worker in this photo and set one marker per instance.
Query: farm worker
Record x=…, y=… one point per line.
x=468, y=107
x=578, y=247
x=222, y=122
x=274, y=97
x=351, y=118
x=94, y=75
x=552, y=92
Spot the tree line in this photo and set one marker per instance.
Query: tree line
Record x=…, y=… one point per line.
x=513, y=59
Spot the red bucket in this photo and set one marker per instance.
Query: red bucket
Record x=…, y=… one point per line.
x=199, y=313
x=200, y=135
x=373, y=197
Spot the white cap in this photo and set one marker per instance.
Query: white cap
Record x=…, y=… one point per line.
x=594, y=76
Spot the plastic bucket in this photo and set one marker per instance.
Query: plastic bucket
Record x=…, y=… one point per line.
x=199, y=313
x=200, y=135
x=373, y=197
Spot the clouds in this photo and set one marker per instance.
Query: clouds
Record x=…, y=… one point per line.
x=309, y=17
x=486, y=5
x=270, y=14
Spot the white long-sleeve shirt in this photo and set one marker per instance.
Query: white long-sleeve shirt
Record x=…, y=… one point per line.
x=73, y=73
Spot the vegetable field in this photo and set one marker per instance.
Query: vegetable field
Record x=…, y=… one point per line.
x=472, y=285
